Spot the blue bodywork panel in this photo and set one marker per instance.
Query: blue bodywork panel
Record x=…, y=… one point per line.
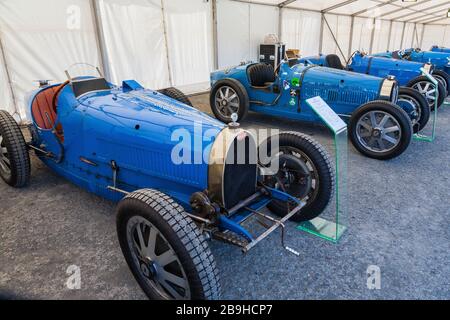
x=440, y=49
x=343, y=91
x=132, y=127
x=440, y=60
x=403, y=71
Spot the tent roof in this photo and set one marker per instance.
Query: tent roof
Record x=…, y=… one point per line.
x=420, y=11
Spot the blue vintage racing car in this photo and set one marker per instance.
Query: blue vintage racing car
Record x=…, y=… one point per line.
x=378, y=127
x=120, y=143
x=440, y=49
x=439, y=60
x=405, y=72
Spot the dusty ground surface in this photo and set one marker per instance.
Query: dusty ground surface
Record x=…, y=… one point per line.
x=398, y=220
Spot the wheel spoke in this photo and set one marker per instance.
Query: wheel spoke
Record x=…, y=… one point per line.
x=367, y=126
x=381, y=144
x=384, y=120
x=222, y=96
x=153, y=233
x=142, y=247
x=391, y=129
x=389, y=139
x=234, y=96
x=373, y=119
x=166, y=258
x=179, y=281
x=174, y=293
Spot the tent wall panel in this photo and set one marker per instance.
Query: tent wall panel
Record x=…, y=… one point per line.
x=190, y=42
x=362, y=34
x=340, y=26
x=6, y=100
x=396, y=35
x=408, y=36
x=241, y=27
x=381, y=36
x=135, y=43
x=301, y=30
x=42, y=46
x=434, y=35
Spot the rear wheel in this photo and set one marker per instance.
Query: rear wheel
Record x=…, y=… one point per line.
x=166, y=252
x=416, y=106
x=229, y=96
x=443, y=78
x=14, y=157
x=428, y=90
x=380, y=130
x=305, y=172
x=176, y=94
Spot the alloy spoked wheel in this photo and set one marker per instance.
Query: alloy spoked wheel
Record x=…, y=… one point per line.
x=428, y=90
x=414, y=105
x=378, y=131
x=227, y=101
x=159, y=264
x=441, y=81
x=5, y=162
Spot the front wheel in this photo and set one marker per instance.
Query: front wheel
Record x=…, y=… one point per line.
x=14, y=157
x=166, y=252
x=380, y=130
x=443, y=78
x=229, y=96
x=428, y=90
x=304, y=172
x=416, y=106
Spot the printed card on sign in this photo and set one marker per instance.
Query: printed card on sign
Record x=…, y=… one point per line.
x=323, y=110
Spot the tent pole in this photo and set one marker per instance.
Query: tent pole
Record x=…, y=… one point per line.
x=166, y=42
x=215, y=39
x=372, y=36
x=321, y=32
x=280, y=23
x=100, y=39
x=334, y=38
x=421, y=37
x=389, y=36
x=350, y=42
x=403, y=34
x=8, y=76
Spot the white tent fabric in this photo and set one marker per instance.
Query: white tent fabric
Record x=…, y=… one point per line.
x=300, y=30
x=135, y=45
x=42, y=46
x=241, y=27
x=165, y=43
x=6, y=100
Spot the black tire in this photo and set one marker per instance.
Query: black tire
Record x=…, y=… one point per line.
x=441, y=90
x=176, y=94
x=443, y=78
x=260, y=74
x=386, y=108
x=423, y=109
x=306, y=149
x=15, y=163
x=179, y=233
x=222, y=112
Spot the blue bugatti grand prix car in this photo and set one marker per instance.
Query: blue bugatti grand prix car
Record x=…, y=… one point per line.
x=439, y=60
x=406, y=73
x=378, y=127
x=440, y=49
x=119, y=142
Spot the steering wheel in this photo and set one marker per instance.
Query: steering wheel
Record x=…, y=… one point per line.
x=57, y=92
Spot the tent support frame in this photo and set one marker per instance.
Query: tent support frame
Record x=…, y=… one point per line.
x=8, y=77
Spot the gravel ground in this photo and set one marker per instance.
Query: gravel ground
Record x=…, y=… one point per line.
x=398, y=220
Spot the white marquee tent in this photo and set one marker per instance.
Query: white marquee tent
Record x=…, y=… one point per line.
x=178, y=42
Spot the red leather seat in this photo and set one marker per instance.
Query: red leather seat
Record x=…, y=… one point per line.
x=43, y=112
